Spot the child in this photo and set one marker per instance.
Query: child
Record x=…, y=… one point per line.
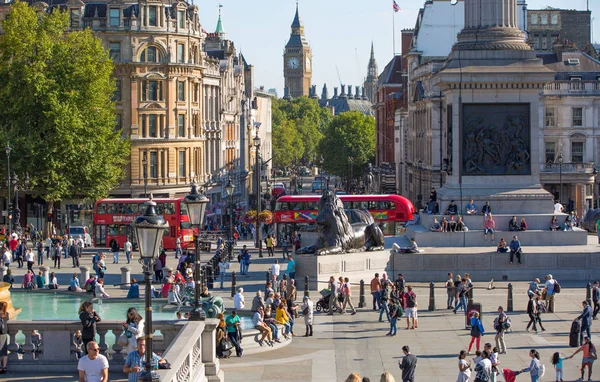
x=557, y=361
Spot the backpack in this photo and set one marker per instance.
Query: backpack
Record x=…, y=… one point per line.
x=506, y=324
x=542, y=371
x=410, y=300
x=556, y=287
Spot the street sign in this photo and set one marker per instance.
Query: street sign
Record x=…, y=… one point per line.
x=4, y=213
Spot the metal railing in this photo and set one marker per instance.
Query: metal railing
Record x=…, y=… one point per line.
x=569, y=168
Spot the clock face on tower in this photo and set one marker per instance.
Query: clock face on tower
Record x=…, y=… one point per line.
x=307, y=63
x=293, y=63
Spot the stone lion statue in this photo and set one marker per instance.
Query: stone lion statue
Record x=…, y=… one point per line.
x=590, y=219
x=342, y=231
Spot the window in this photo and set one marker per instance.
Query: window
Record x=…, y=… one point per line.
x=143, y=126
x=151, y=54
x=152, y=126
x=181, y=125
x=550, y=151
x=115, y=51
x=544, y=41
x=151, y=91
x=180, y=53
x=153, y=164
x=534, y=18
x=180, y=91
x=181, y=18
x=117, y=95
x=114, y=17
x=543, y=19
x=182, y=164
x=550, y=117
x=577, y=116
x=196, y=91
x=75, y=17
x=117, y=121
x=152, y=16
x=554, y=18
x=536, y=41
x=577, y=152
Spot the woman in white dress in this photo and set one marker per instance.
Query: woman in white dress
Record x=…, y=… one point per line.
x=134, y=327
x=307, y=311
x=464, y=367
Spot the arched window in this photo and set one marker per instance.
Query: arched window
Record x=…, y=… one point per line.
x=151, y=54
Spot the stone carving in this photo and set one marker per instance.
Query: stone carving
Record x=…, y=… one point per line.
x=342, y=231
x=496, y=139
x=590, y=219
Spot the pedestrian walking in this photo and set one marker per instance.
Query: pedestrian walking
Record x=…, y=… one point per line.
x=550, y=292
x=40, y=252
x=346, y=292
x=501, y=324
x=493, y=360
x=464, y=367
x=462, y=291
x=410, y=299
x=532, y=313
x=285, y=245
x=333, y=297
x=538, y=311
x=477, y=331
x=291, y=267
x=408, y=365
x=395, y=313
x=557, y=361
x=30, y=258
x=586, y=321
x=383, y=302
x=127, y=248
x=596, y=299
x=74, y=254
x=57, y=253
x=483, y=368
x=114, y=247
x=376, y=292
x=450, y=292
x=233, y=322
x=223, y=267
x=589, y=356
x=88, y=318
x=535, y=367
x=307, y=312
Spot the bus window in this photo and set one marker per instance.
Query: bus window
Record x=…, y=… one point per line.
x=102, y=208
x=100, y=234
x=298, y=206
x=185, y=225
x=141, y=208
x=312, y=205
x=347, y=205
x=132, y=208
x=282, y=206
x=122, y=208
x=167, y=232
x=361, y=205
x=113, y=230
x=169, y=208
x=122, y=229
x=373, y=205
x=160, y=207
x=113, y=208
x=182, y=209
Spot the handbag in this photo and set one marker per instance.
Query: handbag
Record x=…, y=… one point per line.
x=164, y=365
x=226, y=345
x=123, y=340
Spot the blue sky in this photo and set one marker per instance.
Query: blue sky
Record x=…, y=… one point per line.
x=339, y=32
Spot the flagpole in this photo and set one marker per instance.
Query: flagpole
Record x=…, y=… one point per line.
x=394, y=31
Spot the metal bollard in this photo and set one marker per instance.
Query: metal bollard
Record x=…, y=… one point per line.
x=267, y=278
x=509, y=302
x=431, y=297
x=232, y=283
x=470, y=295
x=361, y=300
x=306, y=294
x=588, y=294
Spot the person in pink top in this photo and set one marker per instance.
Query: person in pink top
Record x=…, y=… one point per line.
x=489, y=226
x=28, y=280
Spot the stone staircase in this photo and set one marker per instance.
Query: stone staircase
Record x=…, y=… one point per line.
x=538, y=233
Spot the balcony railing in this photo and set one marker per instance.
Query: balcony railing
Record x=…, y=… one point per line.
x=572, y=88
x=569, y=168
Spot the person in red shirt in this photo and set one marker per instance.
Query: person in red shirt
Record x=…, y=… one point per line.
x=13, y=244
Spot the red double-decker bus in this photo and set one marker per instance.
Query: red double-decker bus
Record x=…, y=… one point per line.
x=113, y=217
x=298, y=212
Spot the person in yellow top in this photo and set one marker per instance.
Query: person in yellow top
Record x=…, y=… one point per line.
x=270, y=241
x=282, y=317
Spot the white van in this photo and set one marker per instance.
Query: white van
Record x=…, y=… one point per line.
x=76, y=231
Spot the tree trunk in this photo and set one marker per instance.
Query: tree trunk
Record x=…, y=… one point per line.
x=50, y=224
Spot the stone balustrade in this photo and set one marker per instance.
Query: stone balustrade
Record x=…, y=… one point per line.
x=189, y=347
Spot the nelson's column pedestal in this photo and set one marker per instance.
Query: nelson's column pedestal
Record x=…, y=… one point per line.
x=491, y=83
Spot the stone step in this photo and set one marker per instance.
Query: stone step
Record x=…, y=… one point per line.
x=475, y=238
x=475, y=222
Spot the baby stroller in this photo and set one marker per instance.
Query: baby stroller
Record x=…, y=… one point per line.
x=323, y=303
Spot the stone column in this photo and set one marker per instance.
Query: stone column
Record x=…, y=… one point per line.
x=45, y=274
x=84, y=274
x=125, y=277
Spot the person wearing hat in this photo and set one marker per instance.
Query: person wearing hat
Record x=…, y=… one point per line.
x=307, y=312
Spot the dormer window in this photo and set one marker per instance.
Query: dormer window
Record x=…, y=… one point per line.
x=573, y=61
x=114, y=17
x=181, y=19
x=75, y=17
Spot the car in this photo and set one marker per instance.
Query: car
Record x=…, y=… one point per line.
x=278, y=190
x=304, y=171
x=76, y=231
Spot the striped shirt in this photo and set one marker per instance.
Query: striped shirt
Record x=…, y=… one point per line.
x=135, y=359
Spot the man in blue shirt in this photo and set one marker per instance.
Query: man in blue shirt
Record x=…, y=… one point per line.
x=586, y=321
x=515, y=249
x=471, y=208
x=291, y=267
x=134, y=364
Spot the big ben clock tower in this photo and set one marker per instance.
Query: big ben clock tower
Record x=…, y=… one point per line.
x=297, y=61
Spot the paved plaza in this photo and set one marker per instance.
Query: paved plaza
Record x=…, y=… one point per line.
x=343, y=344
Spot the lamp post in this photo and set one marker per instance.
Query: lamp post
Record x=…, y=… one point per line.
x=258, y=196
x=196, y=205
x=18, y=186
x=145, y=165
x=149, y=229
x=560, y=162
x=8, y=149
x=229, y=190
x=595, y=172
x=420, y=196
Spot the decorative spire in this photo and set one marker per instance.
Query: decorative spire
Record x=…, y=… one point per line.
x=219, y=29
x=296, y=23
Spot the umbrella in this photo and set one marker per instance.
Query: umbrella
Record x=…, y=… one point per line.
x=510, y=375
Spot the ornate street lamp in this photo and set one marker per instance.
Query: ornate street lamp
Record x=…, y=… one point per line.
x=560, y=163
x=258, y=195
x=229, y=190
x=149, y=229
x=19, y=186
x=8, y=149
x=196, y=205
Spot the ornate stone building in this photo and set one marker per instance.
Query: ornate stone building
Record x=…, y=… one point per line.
x=370, y=84
x=297, y=61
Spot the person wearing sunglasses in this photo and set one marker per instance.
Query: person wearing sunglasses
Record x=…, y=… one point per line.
x=94, y=366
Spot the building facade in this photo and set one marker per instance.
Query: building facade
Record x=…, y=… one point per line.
x=297, y=61
x=370, y=84
x=546, y=26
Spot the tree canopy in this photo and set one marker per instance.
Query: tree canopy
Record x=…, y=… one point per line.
x=57, y=108
x=298, y=126
x=350, y=134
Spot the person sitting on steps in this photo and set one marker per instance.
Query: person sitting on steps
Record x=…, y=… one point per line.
x=515, y=249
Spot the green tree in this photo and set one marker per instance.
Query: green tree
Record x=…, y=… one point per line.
x=350, y=134
x=56, y=106
x=287, y=144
